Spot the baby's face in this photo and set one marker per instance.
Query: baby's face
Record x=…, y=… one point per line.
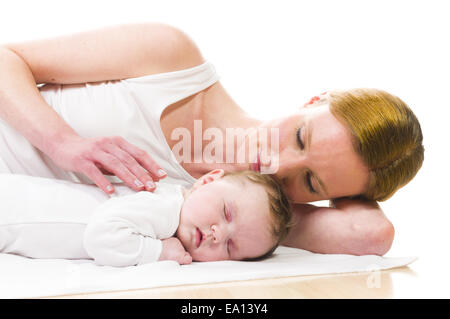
x=226, y=220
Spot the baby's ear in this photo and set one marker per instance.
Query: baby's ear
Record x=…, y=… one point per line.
x=209, y=177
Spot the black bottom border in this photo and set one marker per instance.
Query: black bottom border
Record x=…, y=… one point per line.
x=225, y=308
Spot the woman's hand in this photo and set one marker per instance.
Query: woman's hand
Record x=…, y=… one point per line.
x=107, y=155
x=172, y=249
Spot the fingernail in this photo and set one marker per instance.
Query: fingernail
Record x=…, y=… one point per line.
x=150, y=185
x=138, y=183
x=161, y=172
x=109, y=188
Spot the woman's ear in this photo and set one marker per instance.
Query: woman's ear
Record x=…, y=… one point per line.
x=316, y=100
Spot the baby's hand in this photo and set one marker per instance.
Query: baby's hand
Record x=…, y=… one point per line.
x=172, y=249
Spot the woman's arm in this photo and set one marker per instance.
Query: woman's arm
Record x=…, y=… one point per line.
x=355, y=227
x=109, y=53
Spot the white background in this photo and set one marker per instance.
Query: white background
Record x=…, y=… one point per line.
x=273, y=56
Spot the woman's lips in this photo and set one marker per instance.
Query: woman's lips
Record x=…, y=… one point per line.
x=257, y=166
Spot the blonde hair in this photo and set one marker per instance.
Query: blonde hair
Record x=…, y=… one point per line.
x=279, y=206
x=387, y=136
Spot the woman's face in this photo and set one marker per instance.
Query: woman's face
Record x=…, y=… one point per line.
x=316, y=159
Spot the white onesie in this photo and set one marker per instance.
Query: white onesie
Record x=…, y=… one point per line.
x=48, y=218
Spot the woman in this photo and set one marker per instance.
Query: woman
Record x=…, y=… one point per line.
x=152, y=84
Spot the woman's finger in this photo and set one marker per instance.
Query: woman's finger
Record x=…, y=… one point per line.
x=94, y=174
x=132, y=165
x=115, y=166
x=104, y=171
x=142, y=158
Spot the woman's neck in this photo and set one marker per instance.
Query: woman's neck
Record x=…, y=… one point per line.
x=224, y=129
x=220, y=111
x=206, y=119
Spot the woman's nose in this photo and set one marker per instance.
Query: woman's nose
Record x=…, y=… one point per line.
x=289, y=163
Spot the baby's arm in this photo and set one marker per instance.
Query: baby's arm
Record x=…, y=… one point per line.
x=126, y=231
x=172, y=249
x=116, y=241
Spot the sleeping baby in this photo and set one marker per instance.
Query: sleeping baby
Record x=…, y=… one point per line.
x=237, y=216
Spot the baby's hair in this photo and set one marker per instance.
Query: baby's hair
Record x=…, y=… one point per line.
x=280, y=210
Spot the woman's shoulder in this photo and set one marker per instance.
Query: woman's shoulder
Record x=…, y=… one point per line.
x=188, y=54
x=179, y=56
x=178, y=50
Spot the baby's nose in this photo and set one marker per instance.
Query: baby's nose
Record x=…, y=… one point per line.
x=215, y=233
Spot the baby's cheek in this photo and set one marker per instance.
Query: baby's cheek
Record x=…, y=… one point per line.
x=207, y=254
x=183, y=236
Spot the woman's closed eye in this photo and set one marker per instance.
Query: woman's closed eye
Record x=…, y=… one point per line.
x=307, y=177
x=309, y=183
x=299, y=138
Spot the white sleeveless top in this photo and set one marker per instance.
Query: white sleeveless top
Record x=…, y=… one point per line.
x=129, y=108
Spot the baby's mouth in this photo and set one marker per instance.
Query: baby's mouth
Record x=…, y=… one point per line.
x=198, y=237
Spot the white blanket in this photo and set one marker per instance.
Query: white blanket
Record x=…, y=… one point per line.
x=23, y=277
